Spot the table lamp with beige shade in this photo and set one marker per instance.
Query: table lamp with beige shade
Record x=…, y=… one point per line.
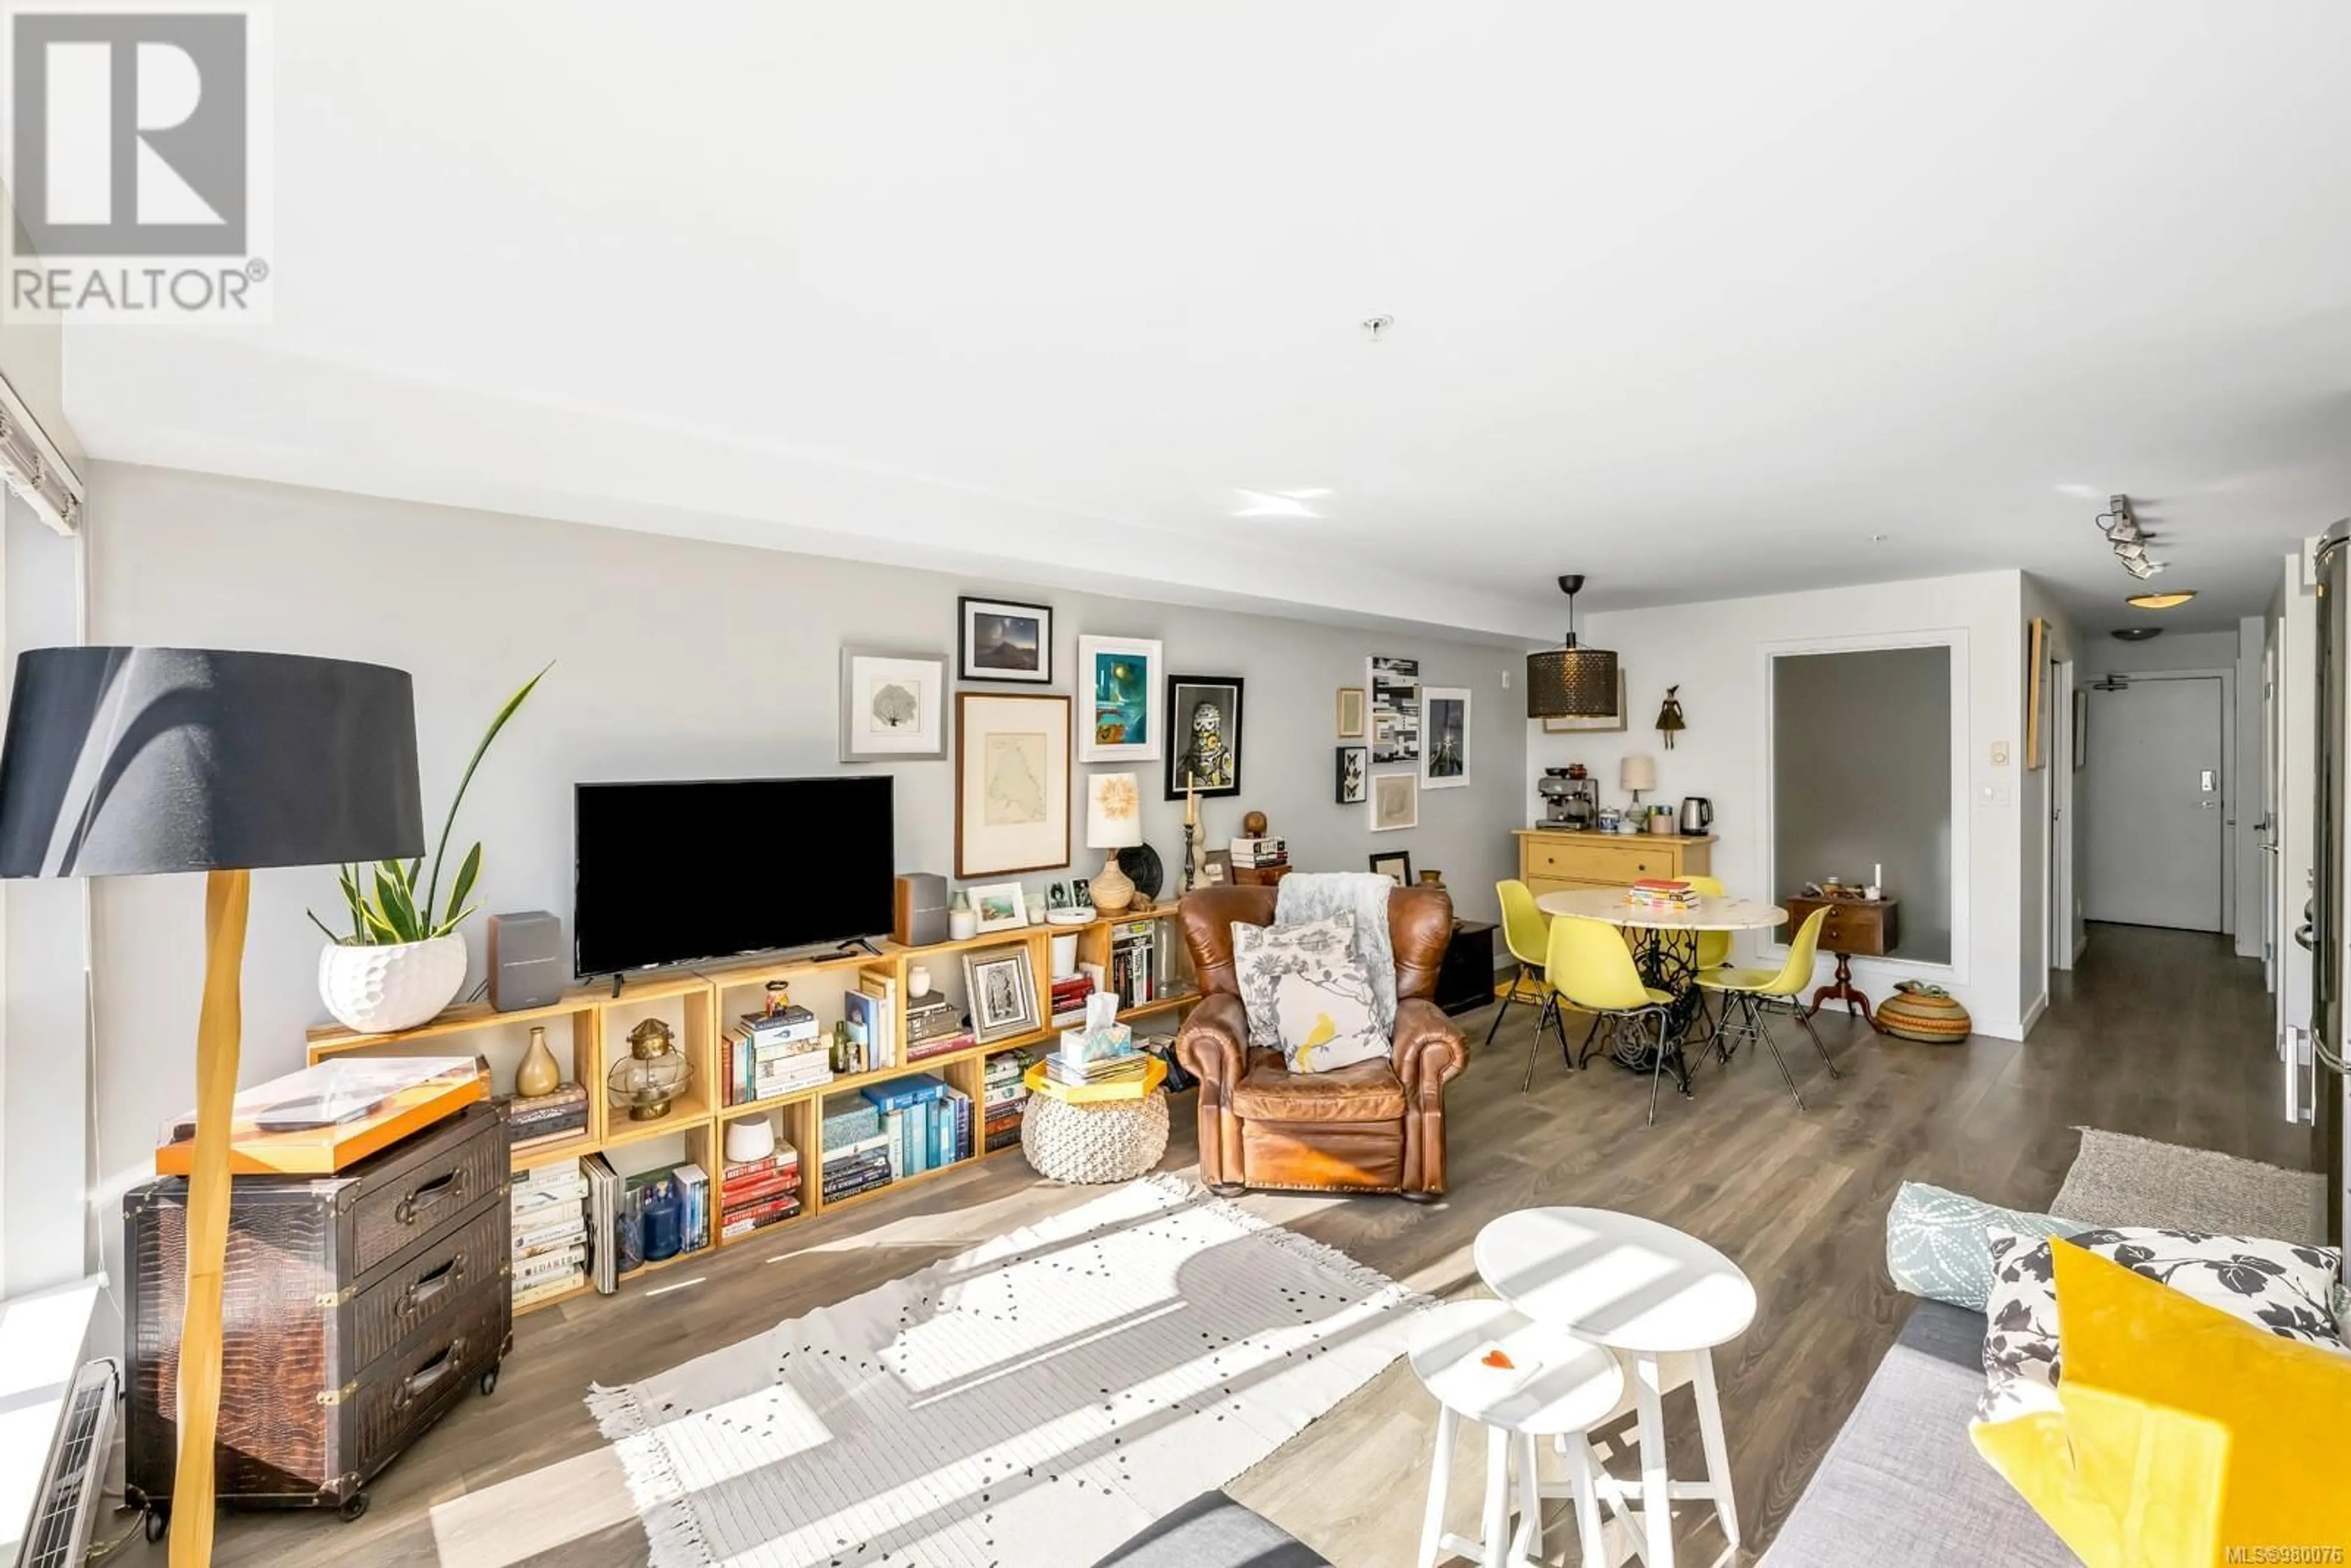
x=1113, y=822
x=1636, y=774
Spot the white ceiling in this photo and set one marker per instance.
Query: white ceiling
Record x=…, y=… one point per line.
x=1700, y=300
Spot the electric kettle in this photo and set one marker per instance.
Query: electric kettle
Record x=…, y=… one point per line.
x=1698, y=814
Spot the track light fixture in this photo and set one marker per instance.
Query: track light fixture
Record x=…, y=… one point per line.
x=2120, y=525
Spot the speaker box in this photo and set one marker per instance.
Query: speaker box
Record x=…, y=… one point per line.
x=527, y=964
x=920, y=910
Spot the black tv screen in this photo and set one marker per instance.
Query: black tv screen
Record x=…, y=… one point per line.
x=672, y=873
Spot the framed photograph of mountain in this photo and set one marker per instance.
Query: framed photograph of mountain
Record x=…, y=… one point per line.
x=999, y=641
x=1394, y=685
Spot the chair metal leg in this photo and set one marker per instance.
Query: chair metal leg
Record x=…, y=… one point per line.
x=1805, y=1021
x=1547, y=1012
x=1657, y=1070
x=1584, y=1051
x=1505, y=1004
x=1763, y=1031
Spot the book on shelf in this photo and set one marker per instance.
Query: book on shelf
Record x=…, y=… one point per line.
x=849, y=1119
x=736, y=1225
x=603, y=1223
x=785, y=1157
x=945, y=1045
x=693, y=1187
x=547, y=1134
x=881, y=989
x=1125, y=1069
x=900, y=1092
x=784, y=1184
x=869, y=1032
x=1255, y=853
x=524, y=1111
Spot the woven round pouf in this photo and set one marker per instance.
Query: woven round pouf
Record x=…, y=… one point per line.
x=1108, y=1140
x=1922, y=1012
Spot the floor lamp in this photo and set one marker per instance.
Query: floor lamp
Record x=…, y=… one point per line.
x=134, y=761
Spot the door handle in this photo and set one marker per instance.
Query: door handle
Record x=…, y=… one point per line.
x=2305, y=938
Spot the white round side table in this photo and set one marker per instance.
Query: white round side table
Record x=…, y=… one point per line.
x=1554, y=1385
x=1663, y=1299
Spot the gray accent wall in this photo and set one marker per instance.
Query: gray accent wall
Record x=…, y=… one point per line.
x=1861, y=760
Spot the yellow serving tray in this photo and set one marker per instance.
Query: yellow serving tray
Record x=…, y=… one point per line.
x=1154, y=1073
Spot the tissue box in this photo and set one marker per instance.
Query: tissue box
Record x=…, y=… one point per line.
x=1080, y=1046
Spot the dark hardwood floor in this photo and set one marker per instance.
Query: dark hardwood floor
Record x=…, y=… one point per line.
x=2163, y=1034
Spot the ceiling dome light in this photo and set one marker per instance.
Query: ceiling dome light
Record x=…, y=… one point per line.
x=1571, y=681
x=2160, y=601
x=2136, y=633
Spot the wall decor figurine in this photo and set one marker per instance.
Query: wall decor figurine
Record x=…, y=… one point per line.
x=1394, y=709
x=1354, y=772
x=893, y=707
x=1205, y=753
x=1445, y=749
x=1669, y=717
x=1012, y=783
x=1395, y=801
x=1350, y=713
x=1118, y=682
x=996, y=640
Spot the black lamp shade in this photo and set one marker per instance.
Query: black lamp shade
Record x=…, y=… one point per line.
x=1571, y=683
x=128, y=761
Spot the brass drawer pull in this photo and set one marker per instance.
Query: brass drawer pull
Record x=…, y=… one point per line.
x=414, y=1386
x=448, y=1188
x=429, y=1284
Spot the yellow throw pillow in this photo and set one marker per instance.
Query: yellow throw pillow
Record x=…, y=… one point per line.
x=2187, y=1436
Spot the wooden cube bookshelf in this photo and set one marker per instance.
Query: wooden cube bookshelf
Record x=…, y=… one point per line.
x=699, y=1004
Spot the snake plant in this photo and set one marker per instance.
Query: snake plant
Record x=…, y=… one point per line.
x=384, y=904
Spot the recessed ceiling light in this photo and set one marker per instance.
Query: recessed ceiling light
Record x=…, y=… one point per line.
x=2136, y=633
x=2160, y=601
x=1299, y=503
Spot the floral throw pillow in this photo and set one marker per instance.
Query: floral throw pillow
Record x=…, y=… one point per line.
x=2282, y=1286
x=1305, y=994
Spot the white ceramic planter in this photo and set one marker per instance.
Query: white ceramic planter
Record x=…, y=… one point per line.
x=381, y=990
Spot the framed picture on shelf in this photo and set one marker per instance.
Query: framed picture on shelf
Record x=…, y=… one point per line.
x=893, y=707
x=1445, y=749
x=1000, y=906
x=1354, y=768
x=1118, y=680
x=1394, y=865
x=1057, y=898
x=1003, y=993
x=996, y=640
x=1216, y=869
x=1204, y=748
x=1012, y=783
x=1593, y=726
x=1395, y=801
x=1082, y=895
x=1394, y=709
x=1350, y=713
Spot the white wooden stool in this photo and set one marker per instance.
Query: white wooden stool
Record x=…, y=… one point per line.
x=1555, y=1386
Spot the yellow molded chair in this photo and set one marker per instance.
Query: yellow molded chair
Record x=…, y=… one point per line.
x=1523, y=931
x=1591, y=969
x=1749, y=995
x=1713, y=952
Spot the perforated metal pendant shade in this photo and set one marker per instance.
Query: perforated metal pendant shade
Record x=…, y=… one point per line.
x=1572, y=681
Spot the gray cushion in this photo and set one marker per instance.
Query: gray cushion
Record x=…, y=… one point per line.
x=1902, y=1483
x=1212, y=1530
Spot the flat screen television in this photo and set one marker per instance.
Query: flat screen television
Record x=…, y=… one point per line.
x=679, y=873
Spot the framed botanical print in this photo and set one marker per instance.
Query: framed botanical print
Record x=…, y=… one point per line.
x=1118, y=680
x=1445, y=741
x=1012, y=783
x=1203, y=713
x=1395, y=801
x=1355, y=769
x=996, y=640
x=893, y=707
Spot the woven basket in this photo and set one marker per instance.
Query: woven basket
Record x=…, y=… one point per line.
x=1110, y=1140
x=1924, y=1013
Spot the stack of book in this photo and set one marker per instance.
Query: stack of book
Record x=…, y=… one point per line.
x=1661, y=893
x=1134, y=973
x=1070, y=999
x=933, y=1028
x=924, y=1123
x=603, y=1223
x=872, y=1012
x=544, y=1119
x=1007, y=1096
x=856, y=1153
x=759, y=1193
x=769, y=1054
x=1131, y=1068
x=549, y=1232
x=1251, y=853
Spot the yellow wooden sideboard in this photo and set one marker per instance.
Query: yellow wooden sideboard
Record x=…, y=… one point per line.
x=1552, y=859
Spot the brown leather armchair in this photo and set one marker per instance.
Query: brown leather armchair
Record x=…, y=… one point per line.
x=1373, y=1126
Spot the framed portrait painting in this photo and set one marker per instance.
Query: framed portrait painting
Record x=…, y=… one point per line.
x=1012, y=783
x=996, y=640
x=1204, y=747
x=1118, y=680
x=893, y=707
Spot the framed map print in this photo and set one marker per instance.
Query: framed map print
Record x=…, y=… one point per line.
x=1012, y=783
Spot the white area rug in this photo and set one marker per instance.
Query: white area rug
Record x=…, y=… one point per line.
x=1033, y=1401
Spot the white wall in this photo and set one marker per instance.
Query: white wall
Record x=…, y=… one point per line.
x=675, y=659
x=1716, y=651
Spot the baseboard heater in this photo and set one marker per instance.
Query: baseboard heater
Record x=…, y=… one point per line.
x=73, y=1481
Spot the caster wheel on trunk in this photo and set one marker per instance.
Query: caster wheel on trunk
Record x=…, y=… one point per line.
x=489, y=1381
x=352, y=1507
x=158, y=1522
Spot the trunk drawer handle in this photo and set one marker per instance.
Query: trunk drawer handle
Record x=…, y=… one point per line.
x=414, y=1386
x=422, y=1199
x=429, y=1284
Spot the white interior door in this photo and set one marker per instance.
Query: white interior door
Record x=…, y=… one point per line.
x=2158, y=835
x=2266, y=837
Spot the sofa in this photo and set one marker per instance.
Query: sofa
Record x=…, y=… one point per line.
x=1370, y=1126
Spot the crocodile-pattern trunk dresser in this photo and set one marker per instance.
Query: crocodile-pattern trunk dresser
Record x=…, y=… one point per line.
x=357, y=1308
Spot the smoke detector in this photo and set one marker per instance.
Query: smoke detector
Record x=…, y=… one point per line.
x=1376, y=328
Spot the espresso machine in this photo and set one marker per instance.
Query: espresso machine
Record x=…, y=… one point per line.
x=1570, y=798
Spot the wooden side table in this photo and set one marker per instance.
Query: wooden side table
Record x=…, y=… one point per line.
x=1870, y=927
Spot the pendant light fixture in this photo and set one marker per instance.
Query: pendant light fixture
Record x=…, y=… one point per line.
x=1571, y=681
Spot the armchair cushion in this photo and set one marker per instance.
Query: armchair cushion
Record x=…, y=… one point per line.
x=1363, y=1092
x=1306, y=995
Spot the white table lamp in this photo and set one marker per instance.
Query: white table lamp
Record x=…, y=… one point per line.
x=1636, y=774
x=1113, y=822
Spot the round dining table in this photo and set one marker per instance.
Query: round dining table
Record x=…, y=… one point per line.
x=1666, y=949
